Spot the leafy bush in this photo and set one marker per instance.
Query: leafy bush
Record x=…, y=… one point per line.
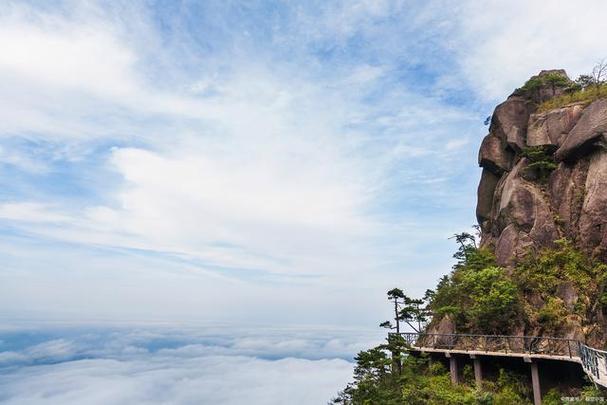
x=480, y=296
x=532, y=85
x=542, y=273
x=421, y=382
x=552, y=314
x=531, y=89
x=490, y=300
x=541, y=162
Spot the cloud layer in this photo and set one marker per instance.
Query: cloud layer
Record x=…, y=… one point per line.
x=177, y=365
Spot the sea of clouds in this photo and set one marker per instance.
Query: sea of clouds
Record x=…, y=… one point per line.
x=169, y=364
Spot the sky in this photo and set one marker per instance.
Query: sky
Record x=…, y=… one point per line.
x=274, y=163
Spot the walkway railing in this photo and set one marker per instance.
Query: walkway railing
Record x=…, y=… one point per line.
x=496, y=343
x=593, y=361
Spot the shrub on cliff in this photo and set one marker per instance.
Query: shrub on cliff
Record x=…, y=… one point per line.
x=541, y=162
x=562, y=270
x=479, y=294
x=541, y=292
x=585, y=89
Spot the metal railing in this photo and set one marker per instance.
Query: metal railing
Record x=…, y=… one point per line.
x=594, y=361
x=496, y=343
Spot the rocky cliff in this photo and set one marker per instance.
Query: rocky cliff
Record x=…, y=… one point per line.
x=544, y=174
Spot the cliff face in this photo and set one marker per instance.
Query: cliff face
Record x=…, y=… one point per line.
x=544, y=175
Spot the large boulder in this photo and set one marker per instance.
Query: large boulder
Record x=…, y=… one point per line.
x=544, y=231
x=494, y=156
x=566, y=190
x=518, y=210
x=593, y=218
x=446, y=326
x=510, y=245
x=568, y=293
x=587, y=133
x=517, y=200
x=573, y=329
x=522, y=217
x=485, y=192
x=509, y=121
x=550, y=128
x=525, y=203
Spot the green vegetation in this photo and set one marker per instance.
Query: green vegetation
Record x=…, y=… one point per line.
x=412, y=311
x=585, y=89
x=423, y=382
x=585, y=96
x=478, y=295
x=540, y=295
x=483, y=298
x=541, y=162
x=486, y=299
x=553, y=274
x=555, y=80
x=534, y=86
x=589, y=395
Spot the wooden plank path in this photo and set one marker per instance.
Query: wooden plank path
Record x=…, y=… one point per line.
x=529, y=348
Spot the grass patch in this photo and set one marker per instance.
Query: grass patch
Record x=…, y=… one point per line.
x=586, y=96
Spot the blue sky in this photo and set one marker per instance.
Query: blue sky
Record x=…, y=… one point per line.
x=205, y=201
x=268, y=162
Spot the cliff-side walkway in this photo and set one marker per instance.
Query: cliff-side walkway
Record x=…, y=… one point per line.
x=529, y=348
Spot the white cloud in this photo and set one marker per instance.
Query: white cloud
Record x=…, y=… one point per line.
x=246, y=173
x=31, y=212
x=213, y=380
x=67, y=56
x=272, y=167
x=142, y=365
x=74, y=73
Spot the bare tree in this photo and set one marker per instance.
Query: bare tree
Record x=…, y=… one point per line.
x=599, y=73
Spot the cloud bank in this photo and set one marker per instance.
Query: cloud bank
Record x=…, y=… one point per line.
x=177, y=365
